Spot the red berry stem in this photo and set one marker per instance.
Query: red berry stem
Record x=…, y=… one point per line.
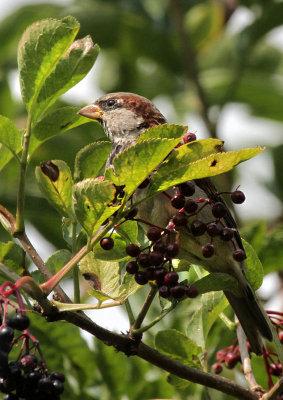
x=269, y=379
x=167, y=195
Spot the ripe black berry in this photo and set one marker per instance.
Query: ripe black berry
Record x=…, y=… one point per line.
x=133, y=250
x=141, y=278
x=19, y=322
x=132, y=267
x=107, y=243
x=219, y=210
x=212, y=229
x=238, y=197
x=159, y=274
x=217, y=368
x=164, y=291
x=57, y=376
x=132, y=214
x=191, y=206
x=187, y=188
x=154, y=233
x=160, y=246
x=144, y=260
x=172, y=249
x=10, y=396
x=156, y=258
x=180, y=219
x=3, y=364
x=207, y=250
x=6, y=337
x=227, y=234
x=171, y=277
x=28, y=362
x=144, y=183
x=14, y=369
x=178, y=201
x=198, y=227
x=58, y=387
x=192, y=291
x=191, y=137
x=149, y=273
x=45, y=385
x=239, y=255
x=178, y=291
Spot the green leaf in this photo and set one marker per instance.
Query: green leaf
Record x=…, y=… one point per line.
x=129, y=231
x=165, y=131
x=118, y=253
x=92, y=202
x=41, y=47
x=135, y=164
x=255, y=234
x=53, y=124
x=178, y=168
x=102, y=276
x=179, y=383
x=217, y=281
x=210, y=306
x=176, y=345
x=58, y=259
x=55, y=181
x=271, y=253
x=13, y=256
x=91, y=159
x=10, y=139
x=71, y=68
x=127, y=288
x=254, y=270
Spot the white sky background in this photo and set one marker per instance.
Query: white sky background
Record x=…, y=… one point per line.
x=237, y=128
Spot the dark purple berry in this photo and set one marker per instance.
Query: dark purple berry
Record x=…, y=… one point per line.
x=219, y=210
x=275, y=369
x=132, y=267
x=45, y=385
x=191, y=206
x=107, y=243
x=238, y=197
x=164, y=291
x=141, y=278
x=192, y=291
x=133, y=250
x=3, y=364
x=217, y=368
x=207, y=250
x=14, y=369
x=154, y=233
x=227, y=234
x=180, y=219
x=187, y=188
x=156, y=258
x=160, y=246
x=231, y=360
x=239, y=255
x=19, y=322
x=198, y=227
x=178, y=291
x=159, y=274
x=57, y=376
x=149, y=273
x=6, y=335
x=144, y=260
x=58, y=387
x=7, y=385
x=10, y=396
x=28, y=362
x=144, y=183
x=172, y=249
x=190, y=137
x=171, y=278
x=212, y=229
x=178, y=201
x=132, y=214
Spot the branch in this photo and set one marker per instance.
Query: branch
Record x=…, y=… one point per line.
x=277, y=389
x=144, y=309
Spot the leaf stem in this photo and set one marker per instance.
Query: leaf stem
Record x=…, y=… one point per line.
x=20, y=226
x=144, y=309
x=129, y=312
x=76, y=277
x=230, y=324
x=153, y=322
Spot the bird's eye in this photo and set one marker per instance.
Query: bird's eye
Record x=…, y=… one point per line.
x=110, y=102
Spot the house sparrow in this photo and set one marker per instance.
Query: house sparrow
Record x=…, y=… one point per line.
x=124, y=117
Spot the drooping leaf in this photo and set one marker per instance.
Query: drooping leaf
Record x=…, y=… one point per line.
x=174, y=171
x=90, y=159
x=13, y=256
x=55, y=181
x=210, y=306
x=53, y=124
x=71, y=68
x=217, y=281
x=133, y=165
x=254, y=269
x=10, y=140
x=93, y=202
x=127, y=288
x=176, y=345
x=41, y=47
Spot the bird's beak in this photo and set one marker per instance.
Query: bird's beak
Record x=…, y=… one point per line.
x=92, y=111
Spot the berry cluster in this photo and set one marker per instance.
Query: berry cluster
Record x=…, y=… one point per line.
x=188, y=207
x=26, y=377
x=229, y=357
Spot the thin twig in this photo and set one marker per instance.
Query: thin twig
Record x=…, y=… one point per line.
x=277, y=389
x=144, y=309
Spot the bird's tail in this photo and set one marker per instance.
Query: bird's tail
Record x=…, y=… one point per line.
x=252, y=318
